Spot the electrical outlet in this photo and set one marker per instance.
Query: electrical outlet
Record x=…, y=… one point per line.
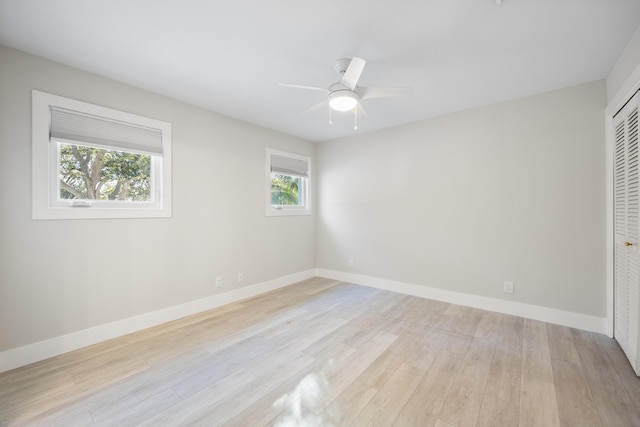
x=351, y=264
x=240, y=277
x=508, y=287
x=218, y=281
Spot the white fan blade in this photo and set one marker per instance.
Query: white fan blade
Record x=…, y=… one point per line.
x=352, y=75
x=315, y=108
x=361, y=112
x=382, y=92
x=304, y=87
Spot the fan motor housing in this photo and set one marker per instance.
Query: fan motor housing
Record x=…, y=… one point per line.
x=341, y=87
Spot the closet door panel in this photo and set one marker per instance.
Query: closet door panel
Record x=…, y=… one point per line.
x=627, y=231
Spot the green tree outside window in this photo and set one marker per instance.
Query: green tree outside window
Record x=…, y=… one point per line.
x=285, y=190
x=99, y=174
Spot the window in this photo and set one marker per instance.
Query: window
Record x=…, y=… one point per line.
x=95, y=162
x=287, y=178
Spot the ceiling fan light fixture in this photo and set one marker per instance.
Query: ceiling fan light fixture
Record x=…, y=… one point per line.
x=343, y=100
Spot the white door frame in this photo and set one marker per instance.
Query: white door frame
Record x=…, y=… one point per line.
x=629, y=88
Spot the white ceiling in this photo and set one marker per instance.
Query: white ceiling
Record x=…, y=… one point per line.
x=229, y=56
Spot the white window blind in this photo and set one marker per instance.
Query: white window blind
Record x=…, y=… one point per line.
x=78, y=128
x=289, y=166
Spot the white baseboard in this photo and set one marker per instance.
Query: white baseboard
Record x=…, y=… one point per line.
x=41, y=350
x=536, y=312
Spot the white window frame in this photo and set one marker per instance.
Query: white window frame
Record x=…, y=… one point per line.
x=45, y=197
x=287, y=210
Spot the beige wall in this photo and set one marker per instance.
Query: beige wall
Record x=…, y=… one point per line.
x=513, y=191
x=58, y=277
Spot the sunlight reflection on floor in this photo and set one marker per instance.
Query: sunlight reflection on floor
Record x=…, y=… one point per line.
x=308, y=398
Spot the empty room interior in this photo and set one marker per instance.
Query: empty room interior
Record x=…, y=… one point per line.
x=288, y=213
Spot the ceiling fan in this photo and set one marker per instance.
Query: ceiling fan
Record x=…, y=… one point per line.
x=345, y=94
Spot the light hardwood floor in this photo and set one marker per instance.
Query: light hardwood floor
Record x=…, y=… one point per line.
x=324, y=353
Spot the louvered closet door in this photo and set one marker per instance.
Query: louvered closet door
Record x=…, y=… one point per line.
x=627, y=231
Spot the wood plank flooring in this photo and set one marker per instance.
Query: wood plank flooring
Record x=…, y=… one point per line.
x=325, y=353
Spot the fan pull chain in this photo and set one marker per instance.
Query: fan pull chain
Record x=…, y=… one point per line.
x=355, y=117
x=330, y=122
